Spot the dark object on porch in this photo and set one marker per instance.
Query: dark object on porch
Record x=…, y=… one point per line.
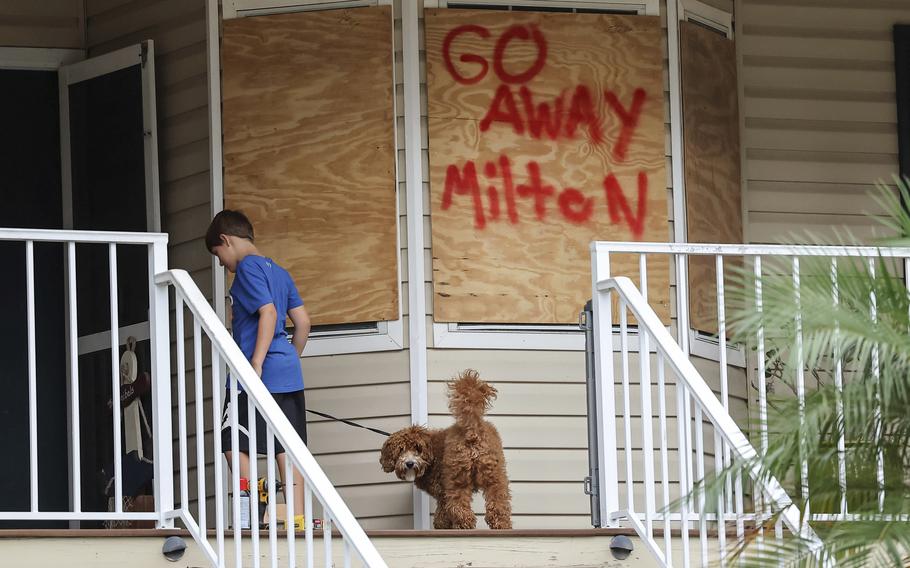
x=173, y=548
x=902, y=80
x=621, y=547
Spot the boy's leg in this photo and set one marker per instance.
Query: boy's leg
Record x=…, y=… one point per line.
x=293, y=404
x=242, y=426
x=244, y=459
x=298, y=484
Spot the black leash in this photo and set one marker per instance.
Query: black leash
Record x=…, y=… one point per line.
x=329, y=416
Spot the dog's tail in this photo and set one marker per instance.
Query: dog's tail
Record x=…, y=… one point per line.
x=469, y=399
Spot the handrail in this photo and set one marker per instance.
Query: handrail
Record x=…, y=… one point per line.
x=224, y=352
x=706, y=340
x=712, y=249
x=710, y=405
x=156, y=245
x=245, y=375
x=58, y=236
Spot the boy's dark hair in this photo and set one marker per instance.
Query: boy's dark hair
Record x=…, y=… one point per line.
x=228, y=222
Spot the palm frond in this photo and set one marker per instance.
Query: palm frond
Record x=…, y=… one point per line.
x=853, y=338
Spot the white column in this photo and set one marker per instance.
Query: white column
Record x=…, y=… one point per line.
x=417, y=328
x=161, y=385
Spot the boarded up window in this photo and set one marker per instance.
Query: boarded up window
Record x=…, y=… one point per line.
x=711, y=133
x=309, y=153
x=546, y=133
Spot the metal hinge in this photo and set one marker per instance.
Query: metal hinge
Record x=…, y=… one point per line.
x=583, y=320
x=589, y=486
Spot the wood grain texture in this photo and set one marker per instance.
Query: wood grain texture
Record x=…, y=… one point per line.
x=534, y=266
x=712, y=163
x=309, y=153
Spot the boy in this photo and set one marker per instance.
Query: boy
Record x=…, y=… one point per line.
x=261, y=295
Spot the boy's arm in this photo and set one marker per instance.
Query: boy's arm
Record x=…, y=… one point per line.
x=268, y=316
x=301, y=320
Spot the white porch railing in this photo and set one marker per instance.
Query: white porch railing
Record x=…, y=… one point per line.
x=224, y=353
x=706, y=435
x=156, y=247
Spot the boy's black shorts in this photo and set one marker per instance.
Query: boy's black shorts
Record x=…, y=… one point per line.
x=293, y=404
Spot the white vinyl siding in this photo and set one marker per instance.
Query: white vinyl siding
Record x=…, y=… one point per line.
x=49, y=23
x=177, y=29
x=820, y=114
x=541, y=411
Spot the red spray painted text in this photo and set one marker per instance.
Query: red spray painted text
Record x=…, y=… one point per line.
x=573, y=110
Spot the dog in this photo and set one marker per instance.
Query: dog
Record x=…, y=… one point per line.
x=451, y=464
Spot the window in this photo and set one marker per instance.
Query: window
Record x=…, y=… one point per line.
x=316, y=171
x=483, y=314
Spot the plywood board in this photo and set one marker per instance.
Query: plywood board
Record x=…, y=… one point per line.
x=712, y=163
x=546, y=133
x=309, y=153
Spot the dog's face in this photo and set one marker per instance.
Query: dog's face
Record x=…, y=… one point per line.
x=407, y=452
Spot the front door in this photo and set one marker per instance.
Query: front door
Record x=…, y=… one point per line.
x=30, y=192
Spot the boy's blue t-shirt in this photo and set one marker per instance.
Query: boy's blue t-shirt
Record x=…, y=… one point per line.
x=260, y=281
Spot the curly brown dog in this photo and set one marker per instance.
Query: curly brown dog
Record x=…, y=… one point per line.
x=452, y=463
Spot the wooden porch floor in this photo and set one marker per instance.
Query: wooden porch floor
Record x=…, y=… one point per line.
x=141, y=548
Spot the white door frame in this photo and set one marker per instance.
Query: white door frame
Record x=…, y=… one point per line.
x=142, y=54
x=38, y=58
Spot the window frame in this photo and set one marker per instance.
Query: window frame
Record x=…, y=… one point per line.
x=639, y=7
x=703, y=344
x=242, y=8
x=38, y=58
x=384, y=335
x=708, y=16
x=553, y=337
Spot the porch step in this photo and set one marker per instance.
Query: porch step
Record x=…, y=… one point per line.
x=399, y=548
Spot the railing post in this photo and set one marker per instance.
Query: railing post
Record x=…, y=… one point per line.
x=161, y=385
x=608, y=473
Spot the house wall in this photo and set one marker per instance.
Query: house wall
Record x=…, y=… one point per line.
x=50, y=23
x=541, y=410
x=178, y=29
x=370, y=388
x=725, y=5
x=819, y=113
x=819, y=127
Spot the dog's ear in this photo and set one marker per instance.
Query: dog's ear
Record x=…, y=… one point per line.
x=386, y=457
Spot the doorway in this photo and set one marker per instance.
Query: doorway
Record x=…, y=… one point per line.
x=30, y=170
x=81, y=153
